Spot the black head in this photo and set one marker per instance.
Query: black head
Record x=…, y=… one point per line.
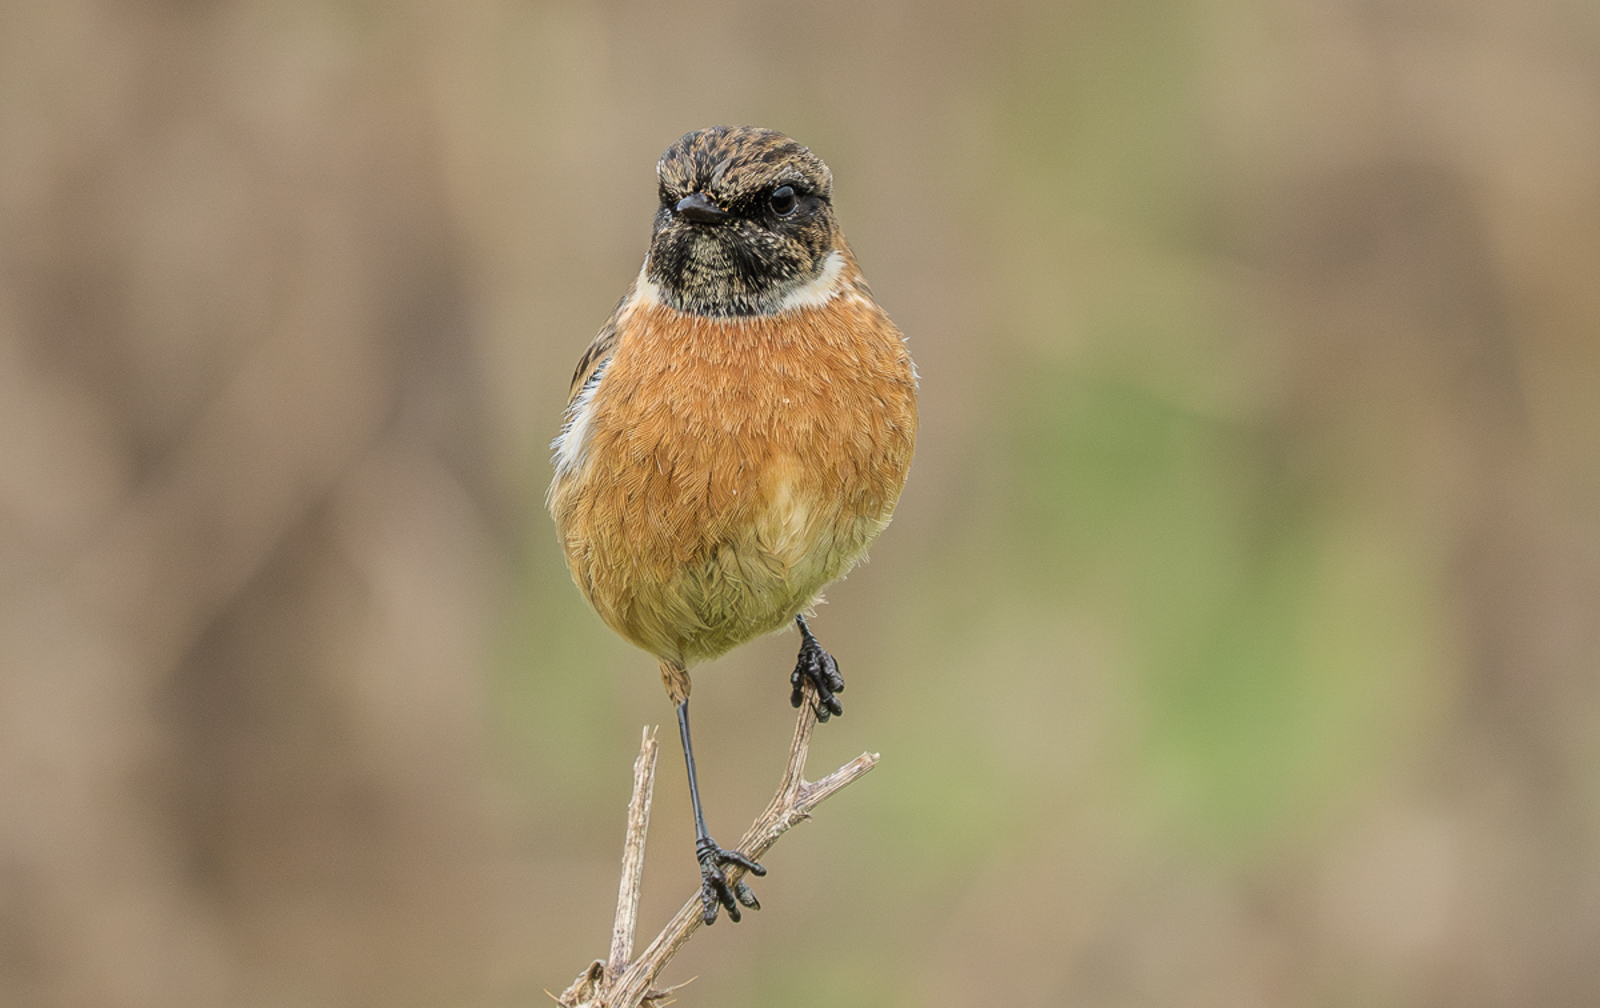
x=746, y=217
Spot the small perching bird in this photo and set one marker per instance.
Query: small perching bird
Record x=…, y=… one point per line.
x=739, y=431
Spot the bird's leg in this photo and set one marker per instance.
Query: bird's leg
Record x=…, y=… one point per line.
x=819, y=667
x=714, y=888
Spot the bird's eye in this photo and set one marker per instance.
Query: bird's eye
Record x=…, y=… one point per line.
x=783, y=201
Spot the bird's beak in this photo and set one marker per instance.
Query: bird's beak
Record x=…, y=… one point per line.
x=699, y=209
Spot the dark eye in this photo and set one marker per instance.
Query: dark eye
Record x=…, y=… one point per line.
x=783, y=201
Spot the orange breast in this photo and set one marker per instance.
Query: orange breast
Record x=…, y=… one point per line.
x=734, y=467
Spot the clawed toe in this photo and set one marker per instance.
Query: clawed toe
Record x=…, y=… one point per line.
x=715, y=889
x=817, y=667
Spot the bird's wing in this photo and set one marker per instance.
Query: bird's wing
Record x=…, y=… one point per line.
x=599, y=351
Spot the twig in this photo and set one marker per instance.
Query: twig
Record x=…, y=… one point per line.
x=627, y=919
x=621, y=984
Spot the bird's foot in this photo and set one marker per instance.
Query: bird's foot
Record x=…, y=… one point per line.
x=818, y=667
x=715, y=890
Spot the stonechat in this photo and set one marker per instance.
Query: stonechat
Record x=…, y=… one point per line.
x=737, y=434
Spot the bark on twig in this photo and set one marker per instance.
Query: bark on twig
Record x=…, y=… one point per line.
x=619, y=983
x=644, y=785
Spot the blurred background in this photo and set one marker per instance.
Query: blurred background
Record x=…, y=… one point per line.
x=1235, y=643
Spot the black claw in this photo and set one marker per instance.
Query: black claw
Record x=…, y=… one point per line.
x=817, y=667
x=715, y=890
x=743, y=893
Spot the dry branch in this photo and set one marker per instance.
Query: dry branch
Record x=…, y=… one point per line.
x=619, y=983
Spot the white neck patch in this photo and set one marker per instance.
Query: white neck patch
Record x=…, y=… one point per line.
x=818, y=292
x=810, y=294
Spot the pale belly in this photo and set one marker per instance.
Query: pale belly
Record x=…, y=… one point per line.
x=692, y=591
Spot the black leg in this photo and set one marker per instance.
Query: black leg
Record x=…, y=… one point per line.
x=714, y=888
x=819, y=667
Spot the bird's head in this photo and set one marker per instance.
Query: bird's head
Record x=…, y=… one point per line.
x=746, y=220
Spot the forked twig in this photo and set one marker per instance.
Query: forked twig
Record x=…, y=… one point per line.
x=618, y=983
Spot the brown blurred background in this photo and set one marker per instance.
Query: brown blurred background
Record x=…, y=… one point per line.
x=1235, y=645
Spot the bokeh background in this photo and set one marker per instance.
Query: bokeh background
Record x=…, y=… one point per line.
x=1235, y=644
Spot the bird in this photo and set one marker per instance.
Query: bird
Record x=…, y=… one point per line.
x=737, y=434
